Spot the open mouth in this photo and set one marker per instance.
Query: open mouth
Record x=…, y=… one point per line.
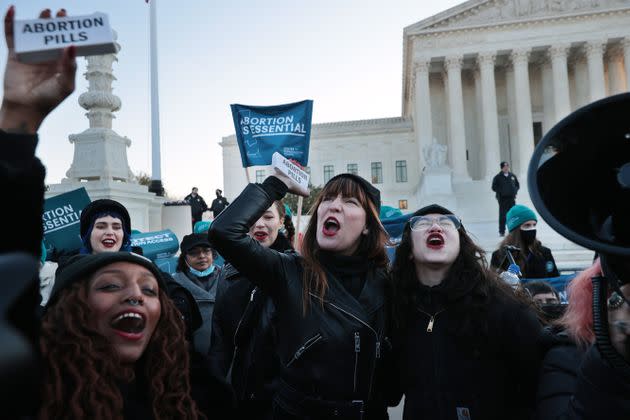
x=435, y=241
x=331, y=226
x=108, y=243
x=129, y=325
x=260, y=236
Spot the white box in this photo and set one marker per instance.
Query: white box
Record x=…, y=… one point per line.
x=290, y=169
x=38, y=40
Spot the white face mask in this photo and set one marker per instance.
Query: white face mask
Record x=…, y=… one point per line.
x=203, y=273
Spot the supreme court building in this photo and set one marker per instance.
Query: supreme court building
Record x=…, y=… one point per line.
x=485, y=79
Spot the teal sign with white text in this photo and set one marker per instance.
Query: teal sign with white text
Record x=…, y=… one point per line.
x=61, y=221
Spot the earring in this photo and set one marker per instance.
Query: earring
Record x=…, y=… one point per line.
x=365, y=231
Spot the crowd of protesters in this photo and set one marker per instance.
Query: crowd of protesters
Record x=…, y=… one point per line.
x=329, y=331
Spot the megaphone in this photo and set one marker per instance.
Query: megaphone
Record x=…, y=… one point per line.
x=579, y=181
x=579, y=176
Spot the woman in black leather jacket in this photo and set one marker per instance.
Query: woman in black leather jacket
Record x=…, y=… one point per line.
x=330, y=301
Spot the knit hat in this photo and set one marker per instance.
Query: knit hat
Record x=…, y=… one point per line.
x=373, y=193
x=432, y=209
x=518, y=215
x=97, y=207
x=193, y=240
x=80, y=267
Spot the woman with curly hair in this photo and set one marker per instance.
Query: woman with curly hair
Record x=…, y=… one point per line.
x=465, y=346
x=113, y=344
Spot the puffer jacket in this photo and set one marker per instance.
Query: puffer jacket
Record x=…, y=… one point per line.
x=331, y=353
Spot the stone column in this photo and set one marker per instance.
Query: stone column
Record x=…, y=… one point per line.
x=595, y=58
x=524, y=125
x=422, y=106
x=626, y=59
x=492, y=156
x=561, y=99
x=616, y=74
x=456, y=117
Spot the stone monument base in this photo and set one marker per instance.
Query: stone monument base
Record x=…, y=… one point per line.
x=436, y=187
x=145, y=208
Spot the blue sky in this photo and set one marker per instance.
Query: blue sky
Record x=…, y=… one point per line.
x=346, y=55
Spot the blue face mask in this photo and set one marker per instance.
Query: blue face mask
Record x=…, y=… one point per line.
x=203, y=273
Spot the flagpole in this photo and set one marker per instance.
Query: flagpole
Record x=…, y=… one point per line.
x=297, y=223
x=156, y=170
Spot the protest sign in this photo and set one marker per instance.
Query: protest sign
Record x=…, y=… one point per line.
x=263, y=130
x=38, y=40
x=160, y=244
x=61, y=220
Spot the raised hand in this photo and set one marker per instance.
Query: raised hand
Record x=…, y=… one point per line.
x=32, y=91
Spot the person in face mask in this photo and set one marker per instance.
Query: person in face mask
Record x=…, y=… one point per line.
x=197, y=273
x=534, y=260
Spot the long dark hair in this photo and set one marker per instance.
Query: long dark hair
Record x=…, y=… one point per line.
x=372, y=245
x=515, y=238
x=469, y=282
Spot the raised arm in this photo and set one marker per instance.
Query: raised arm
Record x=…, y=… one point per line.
x=31, y=92
x=228, y=234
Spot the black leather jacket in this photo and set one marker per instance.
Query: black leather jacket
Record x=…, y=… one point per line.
x=333, y=352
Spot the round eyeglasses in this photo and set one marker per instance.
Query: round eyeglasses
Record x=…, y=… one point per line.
x=446, y=222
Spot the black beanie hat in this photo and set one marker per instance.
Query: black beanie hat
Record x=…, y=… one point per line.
x=432, y=208
x=373, y=193
x=193, y=240
x=79, y=267
x=103, y=206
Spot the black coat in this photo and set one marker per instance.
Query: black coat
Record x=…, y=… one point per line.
x=577, y=384
x=197, y=205
x=505, y=186
x=333, y=351
x=536, y=266
x=444, y=375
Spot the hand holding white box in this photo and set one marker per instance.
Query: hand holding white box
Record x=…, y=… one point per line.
x=296, y=176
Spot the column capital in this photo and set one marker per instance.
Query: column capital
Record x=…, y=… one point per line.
x=595, y=47
x=559, y=51
x=422, y=65
x=520, y=55
x=454, y=62
x=486, y=58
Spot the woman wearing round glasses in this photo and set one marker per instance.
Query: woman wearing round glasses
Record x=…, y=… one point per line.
x=465, y=345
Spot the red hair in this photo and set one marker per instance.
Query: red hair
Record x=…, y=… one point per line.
x=578, y=318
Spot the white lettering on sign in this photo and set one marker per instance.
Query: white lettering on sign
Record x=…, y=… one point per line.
x=272, y=126
x=59, y=218
x=290, y=169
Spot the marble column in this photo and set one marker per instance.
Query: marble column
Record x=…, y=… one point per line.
x=422, y=106
x=562, y=100
x=492, y=156
x=595, y=59
x=524, y=124
x=626, y=58
x=456, y=117
x=616, y=74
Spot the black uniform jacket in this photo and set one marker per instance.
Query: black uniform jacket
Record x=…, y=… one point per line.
x=505, y=186
x=329, y=352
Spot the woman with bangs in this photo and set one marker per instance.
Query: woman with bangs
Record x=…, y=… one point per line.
x=465, y=345
x=330, y=301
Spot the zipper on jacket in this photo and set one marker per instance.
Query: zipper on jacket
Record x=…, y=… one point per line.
x=357, y=350
x=240, y=321
x=431, y=318
x=309, y=343
x=378, y=342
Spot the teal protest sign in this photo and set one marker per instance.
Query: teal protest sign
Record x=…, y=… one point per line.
x=61, y=220
x=263, y=130
x=160, y=244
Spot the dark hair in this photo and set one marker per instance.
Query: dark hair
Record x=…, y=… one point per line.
x=515, y=238
x=538, y=287
x=372, y=245
x=504, y=164
x=468, y=276
x=82, y=370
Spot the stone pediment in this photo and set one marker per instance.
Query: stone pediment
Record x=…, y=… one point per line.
x=476, y=13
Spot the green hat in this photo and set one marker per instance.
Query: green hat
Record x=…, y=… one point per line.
x=518, y=215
